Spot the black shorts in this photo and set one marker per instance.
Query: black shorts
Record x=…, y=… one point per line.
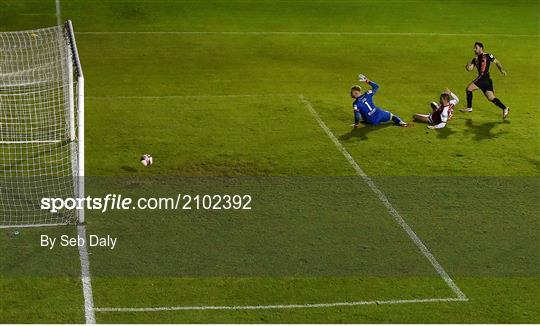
x=434, y=119
x=484, y=83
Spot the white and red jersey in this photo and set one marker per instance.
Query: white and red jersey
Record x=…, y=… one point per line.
x=441, y=114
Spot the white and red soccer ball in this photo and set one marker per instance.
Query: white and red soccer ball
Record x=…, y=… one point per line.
x=147, y=160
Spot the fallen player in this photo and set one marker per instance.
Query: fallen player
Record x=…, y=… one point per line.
x=441, y=112
x=364, y=109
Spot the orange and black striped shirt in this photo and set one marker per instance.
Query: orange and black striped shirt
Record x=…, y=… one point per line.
x=482, y=63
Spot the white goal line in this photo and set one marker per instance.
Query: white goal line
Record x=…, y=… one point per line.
x=306, y=33
x=280, y=306
x=86, y=279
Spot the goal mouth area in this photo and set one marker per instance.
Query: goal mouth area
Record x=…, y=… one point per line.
x=41, y=124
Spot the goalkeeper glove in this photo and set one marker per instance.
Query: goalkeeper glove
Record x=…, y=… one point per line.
x=362, y=78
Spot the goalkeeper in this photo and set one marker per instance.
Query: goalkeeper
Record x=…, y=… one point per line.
x=364, y=109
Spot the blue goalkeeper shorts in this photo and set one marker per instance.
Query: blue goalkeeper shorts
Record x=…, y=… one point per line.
x=380, y=117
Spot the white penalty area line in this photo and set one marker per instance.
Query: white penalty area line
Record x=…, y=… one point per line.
x=89, y=310
x=304, y=33
x=384, y=200
x=281, y=306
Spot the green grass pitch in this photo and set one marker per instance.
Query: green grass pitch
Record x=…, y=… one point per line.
x=214, y=89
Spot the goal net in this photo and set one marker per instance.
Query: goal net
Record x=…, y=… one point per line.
x=41, y=125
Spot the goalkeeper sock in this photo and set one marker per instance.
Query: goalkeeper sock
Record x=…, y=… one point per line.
x=469, y=99
x=498, y=103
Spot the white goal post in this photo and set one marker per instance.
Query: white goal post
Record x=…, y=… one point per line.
x=41, y=126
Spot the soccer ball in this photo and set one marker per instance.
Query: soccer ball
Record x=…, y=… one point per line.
x=147, y=160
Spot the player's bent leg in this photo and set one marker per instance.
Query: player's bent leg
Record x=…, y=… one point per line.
x=472, y=87
x=421, y=117
x=491, y=97
x=397, y=120
x=387, y=116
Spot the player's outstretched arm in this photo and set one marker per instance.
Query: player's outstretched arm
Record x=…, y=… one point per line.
x=364, y=79
x=455, y=99
x=374, y=86
x=500, y=67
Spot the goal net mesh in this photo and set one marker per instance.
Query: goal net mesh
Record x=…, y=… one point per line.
x=38, y=112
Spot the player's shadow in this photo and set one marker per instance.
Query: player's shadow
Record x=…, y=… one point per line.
x=363, y=131
x=485, y=130
x=442, y=133
x=446, y=132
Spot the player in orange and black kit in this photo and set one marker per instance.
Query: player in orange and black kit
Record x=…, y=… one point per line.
x=482, y=61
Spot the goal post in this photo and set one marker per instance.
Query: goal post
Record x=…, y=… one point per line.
x=77, y=136
x=41, y=126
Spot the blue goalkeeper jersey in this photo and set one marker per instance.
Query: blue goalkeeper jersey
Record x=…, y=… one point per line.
x=364, y=105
